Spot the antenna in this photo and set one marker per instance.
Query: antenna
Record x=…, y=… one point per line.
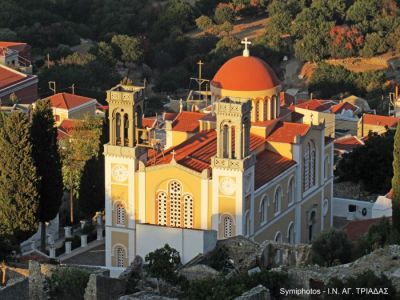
x=200, y=81
x=52, y=86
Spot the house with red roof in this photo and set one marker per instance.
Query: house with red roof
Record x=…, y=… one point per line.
x=346, y=144
x=315, y=111
x=71, y=106
x=375, y=123
x=16, y=55
x=346, y=118
x=246, y=166
x=14, y=83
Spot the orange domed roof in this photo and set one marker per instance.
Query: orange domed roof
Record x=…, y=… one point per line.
x=243, y=73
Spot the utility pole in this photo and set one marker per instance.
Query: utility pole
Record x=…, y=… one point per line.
x=73, y=89
x=48, y=60
x=52, y=86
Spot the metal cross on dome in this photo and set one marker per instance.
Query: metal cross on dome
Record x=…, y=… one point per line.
x=246, y=51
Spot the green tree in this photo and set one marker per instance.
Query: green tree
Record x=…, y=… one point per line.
x=224, y=13
x=48, y=164
x=396, y=181
x=68, y=283
x=91, y=188
x=331, y=247
x=75, y=153
x=374, y=44
x=204, y=23
x=130, y=47
x=163, y=263
x=374, y=174
x=19, y=183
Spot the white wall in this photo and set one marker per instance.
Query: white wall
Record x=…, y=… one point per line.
x=188, y=242
x=340, y=208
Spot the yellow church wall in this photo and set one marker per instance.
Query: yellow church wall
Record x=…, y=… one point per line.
x=284, y=149
x=119, y=193
x=227, y=205
x=314, y=202
x=119, y=238
x=158, y=178
x=281, y=225
x=179, y=137
x=245, y=94
x=269, y=194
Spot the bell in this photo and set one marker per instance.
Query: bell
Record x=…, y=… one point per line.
x=144, y=136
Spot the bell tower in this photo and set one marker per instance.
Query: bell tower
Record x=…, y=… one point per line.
x=122, y=155
x=125, y=114
x=232, y=168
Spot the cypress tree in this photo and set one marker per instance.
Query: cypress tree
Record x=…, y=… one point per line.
x=396, y=181
x=18, y=179
x=48, y=163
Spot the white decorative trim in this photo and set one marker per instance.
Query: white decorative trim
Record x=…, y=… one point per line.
x=204, y=203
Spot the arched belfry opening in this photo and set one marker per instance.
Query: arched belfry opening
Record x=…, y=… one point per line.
x=126, y=107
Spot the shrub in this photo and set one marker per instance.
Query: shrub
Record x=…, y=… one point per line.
x=224, y=13
x=222, y=288
x=68, y=283
x=331, y=247
x=163, y=262
x=219, y=258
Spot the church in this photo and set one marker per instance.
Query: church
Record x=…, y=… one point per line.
x=249, y=166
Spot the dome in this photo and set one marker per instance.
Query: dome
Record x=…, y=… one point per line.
x=243, y=73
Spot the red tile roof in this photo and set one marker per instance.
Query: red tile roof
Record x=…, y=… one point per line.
x=9, y=77
x=196, y=152
x=390, y=194
x=285, y=132
x=169, y=116
x=187, y=121
x=337, y=109
x=65, y=128
x=356, y=229
x=348, y=143
x=269, y=165
x=11, y=44
x=379, y=120
x=314, y=104
x=149, y=122
x=68, y=101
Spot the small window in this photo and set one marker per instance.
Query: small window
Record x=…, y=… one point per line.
x=120, y=257
x=227, y=227
x=120, y=214
x=352, y=208
x=278, y=201
x=263, y=210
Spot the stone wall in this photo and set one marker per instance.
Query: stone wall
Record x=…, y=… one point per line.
x=104, y=288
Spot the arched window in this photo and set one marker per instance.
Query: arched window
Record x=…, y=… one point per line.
x=312, y=164
x=225, y=141
x=278, y=237
x=175, y=191
x=326, y=167
x=291, y=191
x=264, y=209
x=265, y=109
x=162, y=208
x=257, y=112
x=290, y=233
x=228, y=224
x=247, y=223
x=311, y=225
x=278, y=255
x=126, y=130
x=118, y=128
x=120, y=214
x=278, y=201
x=120, y=256
x=188, y=208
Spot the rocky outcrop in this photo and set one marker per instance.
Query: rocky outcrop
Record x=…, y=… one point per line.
x=198, y=272
x=381, y=261
x=135, y=268
x=257, y=293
